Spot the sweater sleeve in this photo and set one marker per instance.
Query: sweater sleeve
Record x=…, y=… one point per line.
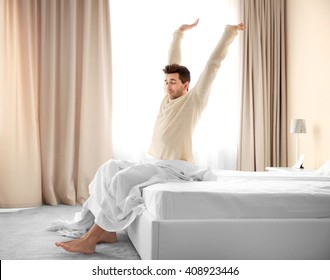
x=174, y=53
x=203, y=85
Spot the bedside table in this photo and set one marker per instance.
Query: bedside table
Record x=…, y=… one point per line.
x=287, y=169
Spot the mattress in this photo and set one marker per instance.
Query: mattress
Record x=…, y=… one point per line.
x=237, y=194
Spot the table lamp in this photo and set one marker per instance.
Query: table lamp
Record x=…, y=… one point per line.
x=298, y=126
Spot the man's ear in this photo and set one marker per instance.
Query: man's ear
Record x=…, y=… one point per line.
x=186, y=86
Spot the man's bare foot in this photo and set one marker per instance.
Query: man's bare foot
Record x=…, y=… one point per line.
x=238, y=27
x=86, y=244
x=108, y=237
x=81, y=245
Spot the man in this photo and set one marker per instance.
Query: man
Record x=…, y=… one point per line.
x=180, y=109
x=179, y=112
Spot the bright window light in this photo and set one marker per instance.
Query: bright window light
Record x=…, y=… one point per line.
x=141, y=33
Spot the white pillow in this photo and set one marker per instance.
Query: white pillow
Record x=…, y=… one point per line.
x=325, y=169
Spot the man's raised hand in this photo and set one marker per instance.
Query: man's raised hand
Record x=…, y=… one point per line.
x=185, y=27
x=238, y=27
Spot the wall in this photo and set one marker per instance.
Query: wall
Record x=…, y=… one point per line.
x=308, y=69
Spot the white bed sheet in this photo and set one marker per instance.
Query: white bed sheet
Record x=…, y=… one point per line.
x=238, y=194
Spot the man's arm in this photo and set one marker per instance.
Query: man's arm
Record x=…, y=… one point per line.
x=174, y=54
x=204, y=83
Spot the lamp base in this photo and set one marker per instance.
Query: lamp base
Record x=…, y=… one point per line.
x=299, y=163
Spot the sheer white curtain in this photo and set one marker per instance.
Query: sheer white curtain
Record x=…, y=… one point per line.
x=141, y=35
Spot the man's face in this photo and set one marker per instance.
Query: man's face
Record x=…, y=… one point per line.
x=174, y=87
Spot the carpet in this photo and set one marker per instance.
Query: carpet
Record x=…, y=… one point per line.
x=24, y=236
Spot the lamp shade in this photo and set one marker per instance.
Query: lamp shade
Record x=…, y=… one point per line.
x=298, y=126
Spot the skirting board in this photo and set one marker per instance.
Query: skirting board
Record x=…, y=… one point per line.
x=231, y=239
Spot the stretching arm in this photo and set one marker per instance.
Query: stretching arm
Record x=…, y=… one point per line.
x=204, y=83
x=174, y=54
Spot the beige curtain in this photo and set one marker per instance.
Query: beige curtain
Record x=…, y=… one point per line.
x=55, y=94
x=263, y=123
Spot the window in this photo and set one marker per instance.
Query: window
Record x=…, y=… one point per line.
x=141, y=32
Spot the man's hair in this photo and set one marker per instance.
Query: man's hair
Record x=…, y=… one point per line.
x=184, y=74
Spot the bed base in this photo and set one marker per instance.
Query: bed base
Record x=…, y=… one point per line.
x=231, y=239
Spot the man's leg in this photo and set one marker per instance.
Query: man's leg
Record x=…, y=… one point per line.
x=123, y=180
x=87, y=243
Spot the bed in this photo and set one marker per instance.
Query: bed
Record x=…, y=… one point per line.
x=241, y=215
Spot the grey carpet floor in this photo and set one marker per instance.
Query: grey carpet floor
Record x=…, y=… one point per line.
x=24, y=236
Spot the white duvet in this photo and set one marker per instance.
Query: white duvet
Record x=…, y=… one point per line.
x=115, y=193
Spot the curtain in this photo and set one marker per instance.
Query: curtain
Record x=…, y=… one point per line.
x=263, y=130
x=55, y=93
